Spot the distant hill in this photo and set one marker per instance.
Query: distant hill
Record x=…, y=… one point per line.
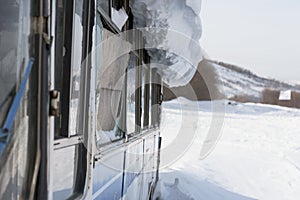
x=220, y=80
x=239, y=81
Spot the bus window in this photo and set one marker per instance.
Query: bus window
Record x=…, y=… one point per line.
x=115, y=54
x=14, y=32
x=63, y=172
x=76, y=67
x=14, y=57
x=106, y=5
x=131, y=78
x=146, y=92
x=70, y=54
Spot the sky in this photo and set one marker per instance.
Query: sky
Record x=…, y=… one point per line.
x=260, y=35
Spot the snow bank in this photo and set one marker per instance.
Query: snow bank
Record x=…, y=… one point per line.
x=172, y=29
x=257, y=156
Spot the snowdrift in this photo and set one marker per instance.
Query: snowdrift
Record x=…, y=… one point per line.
x=257, y=156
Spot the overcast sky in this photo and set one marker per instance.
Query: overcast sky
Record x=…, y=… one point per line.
x=260, y=35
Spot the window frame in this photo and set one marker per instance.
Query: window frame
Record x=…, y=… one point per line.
x=146, y=118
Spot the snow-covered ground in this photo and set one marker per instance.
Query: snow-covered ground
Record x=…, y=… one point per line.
x=257, y=156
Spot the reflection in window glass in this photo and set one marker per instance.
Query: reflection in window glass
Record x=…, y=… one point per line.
x=131, y=100
x=14, y=48
x=104, y=5
x=14, y=32
x=76, y=66
x=146, y=96
x=143, y=96
x=98, y=54
x=63, y=172
x=110, y=85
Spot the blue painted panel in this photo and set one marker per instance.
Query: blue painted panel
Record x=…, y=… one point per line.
x=113, y=179
x=113, y=192
x=108, y=177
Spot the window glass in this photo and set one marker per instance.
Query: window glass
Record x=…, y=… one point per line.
x=131, y=79
x=143, y=75
x=98, y=54
x=111, y=80
x=59, y=58
x=138, y=90
x=63, y=172
x=146, y=96
x=76, y=66
x=14, y=56
x=104, y=5
x=14, y=32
